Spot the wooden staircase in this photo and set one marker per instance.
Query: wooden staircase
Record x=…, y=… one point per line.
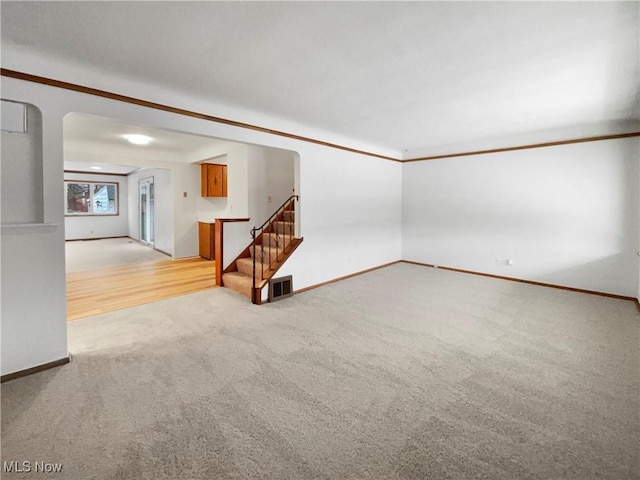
x=272, y=244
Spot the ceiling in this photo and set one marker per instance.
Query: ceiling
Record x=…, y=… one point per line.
x=415, y=77
x=99, y=167
x=97, y=144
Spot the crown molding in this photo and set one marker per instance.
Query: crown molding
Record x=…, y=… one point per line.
x=526, y=147
x=180, y=111
x=225, y=121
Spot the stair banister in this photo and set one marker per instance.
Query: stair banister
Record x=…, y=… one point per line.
x=288, y=203
x=242, y=275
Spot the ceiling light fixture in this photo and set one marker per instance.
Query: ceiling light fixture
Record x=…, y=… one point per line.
x=138, y=139
x=96, y=168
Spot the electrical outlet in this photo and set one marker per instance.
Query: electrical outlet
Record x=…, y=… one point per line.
x=269, y=198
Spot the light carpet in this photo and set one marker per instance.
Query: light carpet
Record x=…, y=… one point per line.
x=402, y=373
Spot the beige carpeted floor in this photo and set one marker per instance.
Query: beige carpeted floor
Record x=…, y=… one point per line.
x=402, y=373
x=82, y=255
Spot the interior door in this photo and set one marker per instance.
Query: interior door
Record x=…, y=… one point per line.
x=146, y=203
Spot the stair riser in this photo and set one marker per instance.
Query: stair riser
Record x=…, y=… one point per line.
x=273, y=240
x=289, y=216
x=284, y=228
x=270, y=240
x=240, y=286
x=267, y=253
x=247, y=269
x=265, y=261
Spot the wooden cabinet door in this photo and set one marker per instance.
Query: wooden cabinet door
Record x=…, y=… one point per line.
x=206, y=240
x=204, y=180
x=213, y=179
x=224, y=180
x=214, y=174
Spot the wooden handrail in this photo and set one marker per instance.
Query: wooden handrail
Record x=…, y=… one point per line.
x=272, y=217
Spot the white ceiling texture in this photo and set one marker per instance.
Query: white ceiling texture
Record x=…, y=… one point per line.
x=98, y=144
x=416, y=77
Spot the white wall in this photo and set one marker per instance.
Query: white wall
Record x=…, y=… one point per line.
x=21, y=166
x=96, y=226
x=253, y=172
x=184, y=178
x=565, y=215
x=33, y=290
x=350, y=209
x=350, y=205
x=236, y=204
x=163, y=207
x=33, y=295
x=32, y=273
x=271, y=172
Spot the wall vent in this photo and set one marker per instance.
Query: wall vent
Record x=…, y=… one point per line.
x=280, y=288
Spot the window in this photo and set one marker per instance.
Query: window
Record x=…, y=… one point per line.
x=91, y=198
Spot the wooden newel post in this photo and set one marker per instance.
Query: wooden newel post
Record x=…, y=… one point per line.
x=218, y=242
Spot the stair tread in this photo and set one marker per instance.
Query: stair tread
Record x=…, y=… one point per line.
x=265, y=248
x=238, y=275
x=249, y=261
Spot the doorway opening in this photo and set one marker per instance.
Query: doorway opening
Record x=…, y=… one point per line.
x=161, y=204
x=146, y=210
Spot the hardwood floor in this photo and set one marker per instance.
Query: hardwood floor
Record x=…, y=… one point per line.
x=99, y=291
